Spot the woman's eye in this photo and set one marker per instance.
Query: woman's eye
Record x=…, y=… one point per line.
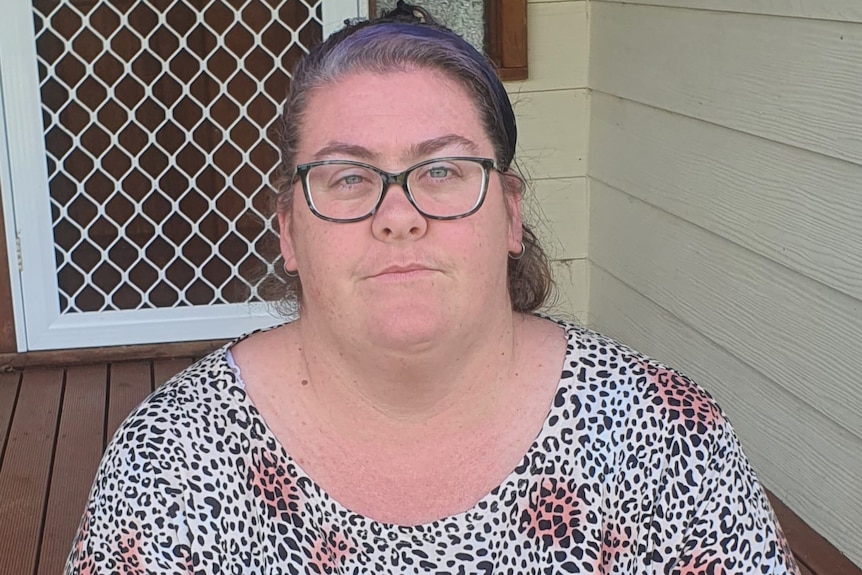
x=351, y=180
x=448, y=171
x=438, y=172
x=348, y=179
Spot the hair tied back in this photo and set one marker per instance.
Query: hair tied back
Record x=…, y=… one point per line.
x=409, y=14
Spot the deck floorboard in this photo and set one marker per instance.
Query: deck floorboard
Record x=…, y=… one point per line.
x=78, y=450
x=131, y=383
x=164, y=369
x=26, y=472
x=8, y=394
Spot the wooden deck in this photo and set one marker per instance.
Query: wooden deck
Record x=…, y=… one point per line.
x=56, y=421
x=54, y=425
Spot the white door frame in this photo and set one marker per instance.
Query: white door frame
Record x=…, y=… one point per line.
x=30, y=238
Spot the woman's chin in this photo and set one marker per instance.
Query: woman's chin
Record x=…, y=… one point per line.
x=408, y=326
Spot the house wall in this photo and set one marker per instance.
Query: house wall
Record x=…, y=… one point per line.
x=552, y=120
x=725, y=193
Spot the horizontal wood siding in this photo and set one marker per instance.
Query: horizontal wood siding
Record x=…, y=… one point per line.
x=789, y=80
x=559, y=208
x=760, y=311
x=841, y=10
x=552, y=110
x=558, y=47
x=799, y=209
x=552, y=133
x=725, y=214
x=572, y=291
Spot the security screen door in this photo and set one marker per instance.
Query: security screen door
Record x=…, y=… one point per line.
x=141, y=144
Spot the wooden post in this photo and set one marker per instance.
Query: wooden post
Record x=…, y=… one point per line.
x=7, y=320
x=506, y=37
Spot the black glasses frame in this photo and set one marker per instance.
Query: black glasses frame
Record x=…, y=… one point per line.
x=400, y=179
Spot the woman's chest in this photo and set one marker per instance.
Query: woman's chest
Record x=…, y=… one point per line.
x=530, y=525
x=415, y=481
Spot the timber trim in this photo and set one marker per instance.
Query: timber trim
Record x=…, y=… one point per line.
x=812, y=551
x=506, y=37
x=8, y=342
x=67, y=357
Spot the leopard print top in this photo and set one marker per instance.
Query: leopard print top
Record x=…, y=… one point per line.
x=635, y=470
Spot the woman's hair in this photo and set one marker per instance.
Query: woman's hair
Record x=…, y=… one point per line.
x=408, y=38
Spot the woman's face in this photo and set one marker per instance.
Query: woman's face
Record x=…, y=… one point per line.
x=397, y=278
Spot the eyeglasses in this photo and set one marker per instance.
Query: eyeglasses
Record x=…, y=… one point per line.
x=440, y=189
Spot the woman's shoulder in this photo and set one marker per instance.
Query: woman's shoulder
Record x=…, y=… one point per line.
x=635, y=413
x=192, y=400
x=208, y=376
x=618, y=379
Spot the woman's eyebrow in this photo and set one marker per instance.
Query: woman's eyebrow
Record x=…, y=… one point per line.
x=429, y=147
x=336, y=148
x=420, y=150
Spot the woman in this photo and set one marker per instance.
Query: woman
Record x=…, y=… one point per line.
x=417, y=417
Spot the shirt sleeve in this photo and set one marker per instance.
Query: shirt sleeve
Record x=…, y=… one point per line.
x=726, y=522
x=134, y=521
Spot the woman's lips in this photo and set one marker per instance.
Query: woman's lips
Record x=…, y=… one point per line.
x=399, y=272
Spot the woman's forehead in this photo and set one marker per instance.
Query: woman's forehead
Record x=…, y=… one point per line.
x=414, y=112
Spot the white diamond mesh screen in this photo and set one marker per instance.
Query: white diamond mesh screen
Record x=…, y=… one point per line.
x=159, y=128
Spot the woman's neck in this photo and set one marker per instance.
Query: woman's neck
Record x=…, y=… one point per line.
x=413, y=383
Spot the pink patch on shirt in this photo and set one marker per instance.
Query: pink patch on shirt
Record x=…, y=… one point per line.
x=553, y=514
x=328, y=554
x=699, y=565
x=684, y=397
x=616, y=544
x=272, y=484
x=83, y=567
x=83, y=532
x=80, y=562
x=784, y=546
x=129, y=548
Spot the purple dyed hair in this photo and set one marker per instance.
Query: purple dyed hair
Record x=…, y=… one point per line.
x=407, y=38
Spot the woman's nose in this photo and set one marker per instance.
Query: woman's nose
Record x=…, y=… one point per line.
x=396, y=218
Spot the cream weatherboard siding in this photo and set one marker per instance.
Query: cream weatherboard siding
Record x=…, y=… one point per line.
x=840, y=10
x=552, y=110
x=725, y=223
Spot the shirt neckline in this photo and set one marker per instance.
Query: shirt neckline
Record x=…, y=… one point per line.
x=330, y=506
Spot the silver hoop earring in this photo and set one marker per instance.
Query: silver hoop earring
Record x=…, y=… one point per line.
x=520, y=254
x=288, y=273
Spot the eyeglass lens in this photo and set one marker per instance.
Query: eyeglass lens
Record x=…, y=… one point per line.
x=444, y=188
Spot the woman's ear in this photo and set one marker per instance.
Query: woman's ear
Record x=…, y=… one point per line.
x=513, y=192
x=285, y=240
